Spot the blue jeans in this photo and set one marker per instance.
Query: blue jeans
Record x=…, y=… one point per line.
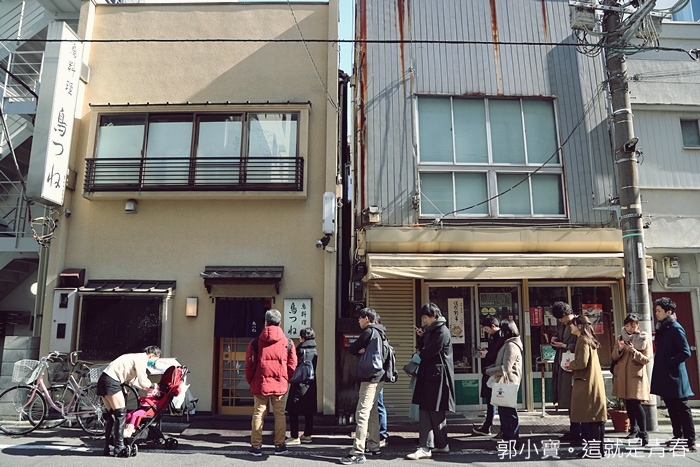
x=510, y=427
x=383, y=434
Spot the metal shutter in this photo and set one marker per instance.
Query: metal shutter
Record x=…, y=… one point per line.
x=394, y=301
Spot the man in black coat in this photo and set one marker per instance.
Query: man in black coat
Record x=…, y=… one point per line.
x=491, y=327
x=669, y=379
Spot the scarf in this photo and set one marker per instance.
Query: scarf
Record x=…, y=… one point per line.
x=638, y=340
x=665, y=323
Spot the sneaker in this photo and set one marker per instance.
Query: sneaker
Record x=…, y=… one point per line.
x=281, y=450
x=352, y=459
x=257, y=452
x=444, y=450
x=383, y=442
x=482, y=431
x=373, y=453
x=693, y=448
x=419, y=454
x=305, y=439
x=292, y=441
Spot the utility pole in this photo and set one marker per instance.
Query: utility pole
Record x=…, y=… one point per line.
x=636, y=288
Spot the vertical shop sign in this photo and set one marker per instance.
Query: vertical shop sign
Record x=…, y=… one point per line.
x=297, y=315
x=55, y=116
x=456, y=317
x=536, y=318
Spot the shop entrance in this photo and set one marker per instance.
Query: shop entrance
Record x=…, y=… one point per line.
x=237, y=322
x=463, y=305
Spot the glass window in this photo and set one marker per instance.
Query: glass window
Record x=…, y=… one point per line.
x=595, y=302
x=690, y=13
x=120, y=136
x=691, y=133
x=506, y=131
x=272, y=135
x=456, y=304
x=543, y=325
x=492, y=139
x=219, y=136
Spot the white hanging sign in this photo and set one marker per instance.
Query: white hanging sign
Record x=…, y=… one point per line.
x=55, y=115
x=297, y=315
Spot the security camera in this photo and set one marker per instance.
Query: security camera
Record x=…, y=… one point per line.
x=68, y=212
x=319, y=243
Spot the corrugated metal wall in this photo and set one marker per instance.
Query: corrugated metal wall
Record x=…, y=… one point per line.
x=665, y=163
x=386, y=86
x=394, y=301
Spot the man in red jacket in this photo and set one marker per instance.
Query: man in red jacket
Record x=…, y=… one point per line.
x=269, y=363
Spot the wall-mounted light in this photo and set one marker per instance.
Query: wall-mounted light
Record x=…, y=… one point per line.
x=131, y=206
x=191, y=309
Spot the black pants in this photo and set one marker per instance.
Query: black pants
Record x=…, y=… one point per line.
x=638, y=418
x=294, y=424
x=681, y=419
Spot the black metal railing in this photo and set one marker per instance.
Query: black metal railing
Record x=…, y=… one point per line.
x=194, y=174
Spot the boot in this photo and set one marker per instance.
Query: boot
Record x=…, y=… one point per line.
x=118, y=432
x=109, y=426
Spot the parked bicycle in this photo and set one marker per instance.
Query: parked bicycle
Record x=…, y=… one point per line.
x=25, y=407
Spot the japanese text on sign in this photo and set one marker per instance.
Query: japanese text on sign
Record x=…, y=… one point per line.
x=297, y=315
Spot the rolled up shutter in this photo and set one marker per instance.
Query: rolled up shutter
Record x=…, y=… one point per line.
x=394, y=300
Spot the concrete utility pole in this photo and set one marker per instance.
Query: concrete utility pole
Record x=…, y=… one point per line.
x=636, y=288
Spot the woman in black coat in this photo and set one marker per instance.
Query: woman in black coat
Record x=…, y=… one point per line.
x=302, y=397
x=435, y=387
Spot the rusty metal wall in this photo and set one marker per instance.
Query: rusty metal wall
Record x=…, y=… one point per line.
x=390, y=75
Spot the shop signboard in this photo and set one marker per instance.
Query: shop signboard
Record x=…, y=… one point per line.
x=455, y=315
x=297, y=316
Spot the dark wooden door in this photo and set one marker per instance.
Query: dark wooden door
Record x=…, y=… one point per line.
x=684, y=314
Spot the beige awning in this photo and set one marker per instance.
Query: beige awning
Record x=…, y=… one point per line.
x=496, y=266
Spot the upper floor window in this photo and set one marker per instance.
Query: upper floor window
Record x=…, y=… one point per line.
x=239, y=151
x=691, y=133
x=502, y=150
x=690, y=13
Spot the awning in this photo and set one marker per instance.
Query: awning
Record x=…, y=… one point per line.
x=128, y=287
x=234, y=275
x=496, y=266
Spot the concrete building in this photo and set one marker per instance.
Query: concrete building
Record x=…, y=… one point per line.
x=204, y=153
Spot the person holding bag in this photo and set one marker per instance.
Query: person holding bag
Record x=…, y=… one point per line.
x=631, y=354
x=588, y=382
x=508, y=369
x=303, y=395
x=561, y=378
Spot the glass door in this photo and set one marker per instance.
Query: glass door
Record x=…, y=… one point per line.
x=234, y=391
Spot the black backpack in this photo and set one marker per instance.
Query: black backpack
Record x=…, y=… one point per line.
x=391, y=375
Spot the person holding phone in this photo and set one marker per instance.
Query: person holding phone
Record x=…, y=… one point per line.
x=491, y=326
x=630, y=382
x=562, y=379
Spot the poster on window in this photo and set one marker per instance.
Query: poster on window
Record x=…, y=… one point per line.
x=455, y=314
x=598, y=328
x=536, y=318
x=593, y=311
x=297, y=316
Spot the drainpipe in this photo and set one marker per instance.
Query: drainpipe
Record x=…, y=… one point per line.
x=41, y=280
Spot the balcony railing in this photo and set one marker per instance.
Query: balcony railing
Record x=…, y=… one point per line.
x=195, y=174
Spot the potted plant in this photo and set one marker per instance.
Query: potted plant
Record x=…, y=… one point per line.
x=618, y=415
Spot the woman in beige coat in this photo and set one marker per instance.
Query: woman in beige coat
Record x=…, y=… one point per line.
x=589, y=388
x=631, y=354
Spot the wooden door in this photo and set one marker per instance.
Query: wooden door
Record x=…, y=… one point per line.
x=234, y=391
x=684, y=315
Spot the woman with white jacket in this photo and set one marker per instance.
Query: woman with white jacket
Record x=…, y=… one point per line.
x=508, y=367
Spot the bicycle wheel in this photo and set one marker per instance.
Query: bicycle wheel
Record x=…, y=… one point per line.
x=89, y=410
x=131, y=397
x=61, y=395
x=19, y=413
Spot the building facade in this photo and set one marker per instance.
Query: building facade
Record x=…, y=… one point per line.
x=206, y=138
x=485, y=180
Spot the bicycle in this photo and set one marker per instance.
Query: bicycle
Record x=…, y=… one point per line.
x=23, y=408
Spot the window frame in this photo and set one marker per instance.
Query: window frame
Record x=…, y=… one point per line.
x=302, y=119
x=491, y=169
x=697, y=129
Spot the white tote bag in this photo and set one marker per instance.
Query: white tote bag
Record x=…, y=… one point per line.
x=566, y=359
x=504, y=394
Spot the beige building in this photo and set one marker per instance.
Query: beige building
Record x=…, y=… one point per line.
x=202, y=164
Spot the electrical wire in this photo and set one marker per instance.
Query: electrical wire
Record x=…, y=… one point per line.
x=330, y=100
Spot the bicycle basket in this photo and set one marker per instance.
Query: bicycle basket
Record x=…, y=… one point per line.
x=96, y=372
x=25, y=371
x=58, y=372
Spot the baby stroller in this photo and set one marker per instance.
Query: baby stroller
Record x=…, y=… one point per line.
x=147, y=418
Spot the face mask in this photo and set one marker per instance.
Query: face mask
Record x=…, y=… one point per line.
x=151, y=363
